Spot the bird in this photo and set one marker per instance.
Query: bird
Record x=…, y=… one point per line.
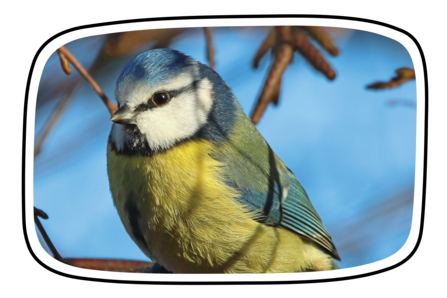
x=195, y=184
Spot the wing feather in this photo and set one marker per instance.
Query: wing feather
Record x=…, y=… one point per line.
x=267, y=186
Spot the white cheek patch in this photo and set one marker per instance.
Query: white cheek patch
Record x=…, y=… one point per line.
x=181, y=118
x=204, y=93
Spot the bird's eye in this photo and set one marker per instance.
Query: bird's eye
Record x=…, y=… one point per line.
x=160, y=98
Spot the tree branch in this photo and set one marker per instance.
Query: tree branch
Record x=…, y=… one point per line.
x=270, y=91
x=209, y=47
x=53, y=120
x=39, y=213
x=265, y=46
x=302, y=44
x=403, y=75
x=323, y=38
x=73, y=61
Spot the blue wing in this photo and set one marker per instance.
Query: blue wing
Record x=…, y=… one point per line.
x=300, y=216
x=268, y=186
x=287, y=206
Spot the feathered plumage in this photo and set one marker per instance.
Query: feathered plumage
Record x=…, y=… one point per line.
x=196, y=185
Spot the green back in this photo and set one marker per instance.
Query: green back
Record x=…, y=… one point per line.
x=268, y=186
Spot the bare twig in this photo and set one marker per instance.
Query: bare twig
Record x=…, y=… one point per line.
x=266, y=45
x=110, y=105
x=283, y=40
x=403, y=75
x=39, y=213
x=166, y=40
x=53, y=120
x=112, y=265
x=65, y=57
x=122, y=44
x=303, y=45
x=64, y=63
x=276, y=92
x=323, y=38
x=270, y=91
x=209, y=47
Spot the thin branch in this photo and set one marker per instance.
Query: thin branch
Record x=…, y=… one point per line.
x=276, y=92
x=39, y=213
x=122, y=44
x=65, y=58
x=209, y=47
x=270, y=91
x=64, y=63
x=67, y=54
x=403, y=75
x=166, y=40
x=265, y=46
x=53, y=120
x=111, y=265
x=302, y=44
x=323, y=38
x=406, y=73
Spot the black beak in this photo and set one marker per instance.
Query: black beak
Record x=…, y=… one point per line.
x=124, y=116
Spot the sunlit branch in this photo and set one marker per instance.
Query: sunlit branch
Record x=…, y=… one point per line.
x=111, y=265
x=209, y=47
x=302, y=44
x=53, y=120
x=323, y=38
x=270, y=91
x=403, y=75
x=265, y=46
x=65, y=64
x=84, y=73
x=283, y=40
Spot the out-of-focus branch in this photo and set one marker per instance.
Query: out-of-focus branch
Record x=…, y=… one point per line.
x=265, y=46
x=65, y=64
x=303, y=45
x=112, y=265
x=126, y=43
x=73, y=61
x=39, y=213
x=53, y=120
x=380, y=214
x=209, y=47
x=270, y=91
x=65, y=58
x=403, y=75
x=323, y=38
x=283, y=40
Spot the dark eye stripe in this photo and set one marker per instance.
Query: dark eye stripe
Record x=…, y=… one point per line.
x=145, y=106
x=172, y=93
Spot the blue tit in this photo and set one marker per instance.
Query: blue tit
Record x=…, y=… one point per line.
x=195, y=184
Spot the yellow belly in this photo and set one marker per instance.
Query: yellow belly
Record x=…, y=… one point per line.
x=191, y=221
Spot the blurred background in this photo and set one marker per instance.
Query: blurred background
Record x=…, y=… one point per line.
x=353, y=149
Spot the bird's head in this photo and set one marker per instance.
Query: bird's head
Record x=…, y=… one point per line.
x=165, y=97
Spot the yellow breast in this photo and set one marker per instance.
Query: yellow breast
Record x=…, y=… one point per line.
x=186, y=218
